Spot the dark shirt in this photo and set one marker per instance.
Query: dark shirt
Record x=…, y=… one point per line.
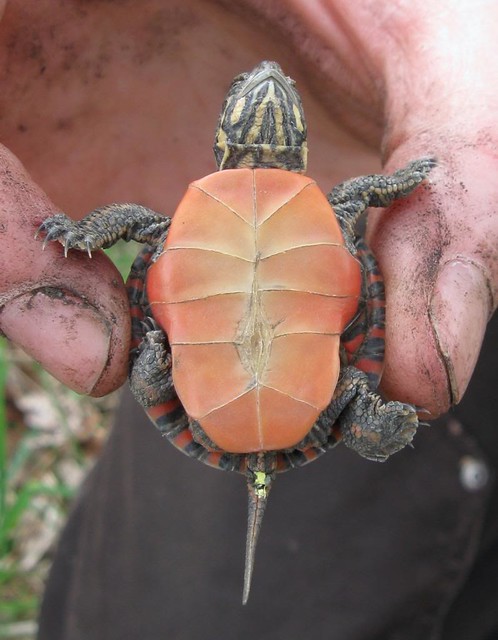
x=350, y=549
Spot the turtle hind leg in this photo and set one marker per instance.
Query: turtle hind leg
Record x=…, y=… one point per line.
x=151, y=380
x=103, y=227
x=152, y=386
x=150, y=374
x=373, y=428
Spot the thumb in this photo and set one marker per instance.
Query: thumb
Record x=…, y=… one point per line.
x=71, y=315
x=438, y=249
x=440, y=282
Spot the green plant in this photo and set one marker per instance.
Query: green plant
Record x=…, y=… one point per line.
x=123, y=255
x=3, y=444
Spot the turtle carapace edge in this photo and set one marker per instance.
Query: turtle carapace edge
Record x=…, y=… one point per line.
x=257, y=310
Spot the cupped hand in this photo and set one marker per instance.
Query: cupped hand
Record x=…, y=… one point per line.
x=439, y=250
x=428, y=77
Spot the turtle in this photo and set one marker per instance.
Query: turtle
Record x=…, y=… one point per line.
x=258, y=310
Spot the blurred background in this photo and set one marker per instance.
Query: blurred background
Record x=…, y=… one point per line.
x=49, y=439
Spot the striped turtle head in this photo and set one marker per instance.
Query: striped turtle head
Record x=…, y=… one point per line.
x=262, y=122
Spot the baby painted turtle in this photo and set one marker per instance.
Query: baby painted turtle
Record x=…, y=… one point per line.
x=258, y=313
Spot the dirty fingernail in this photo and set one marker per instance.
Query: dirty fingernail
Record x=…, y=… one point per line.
x=66, y=335
x=459, y=312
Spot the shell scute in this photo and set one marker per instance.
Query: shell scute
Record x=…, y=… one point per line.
x=235, y=193
x=293, y=364
x=275, y=189
x=216, y=227
x=300, y=222
x=205, y=387
x=322, y=269
x=220, y=319
x=262, y=415
x=304, y=312
x=192, y=274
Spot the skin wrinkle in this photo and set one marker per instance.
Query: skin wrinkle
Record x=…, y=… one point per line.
x=331, y=22
x=454, y=383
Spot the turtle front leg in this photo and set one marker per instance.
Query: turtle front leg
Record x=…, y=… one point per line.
x=373, y=428
x=351, y=198
x=103, y=227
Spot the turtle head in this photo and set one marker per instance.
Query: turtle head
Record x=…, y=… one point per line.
x=262, y=122
x=261, y=469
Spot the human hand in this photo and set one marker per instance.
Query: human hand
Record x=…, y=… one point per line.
x=69, y=314
x=428, y=71
x=371, y=74
x=440, y=253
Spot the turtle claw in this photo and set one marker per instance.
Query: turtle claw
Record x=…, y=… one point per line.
x=41, y=228
x=53, y=234
x=420, y=409
x=149, y=324
x=68, y=242
x=419, y=169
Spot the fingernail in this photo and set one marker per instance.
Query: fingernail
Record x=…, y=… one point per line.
x=459, y=312
x=66, y=335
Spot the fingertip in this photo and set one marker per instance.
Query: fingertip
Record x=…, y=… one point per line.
x=69, y=337
x=433, y=347
x=414, y=372
x=459, y=312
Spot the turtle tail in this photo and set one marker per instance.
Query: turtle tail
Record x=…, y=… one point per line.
x=260, y=474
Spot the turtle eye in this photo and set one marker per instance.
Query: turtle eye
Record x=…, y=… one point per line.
x=240, y=78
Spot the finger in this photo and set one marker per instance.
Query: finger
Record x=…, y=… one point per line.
x=70, y=314
x=436, y=251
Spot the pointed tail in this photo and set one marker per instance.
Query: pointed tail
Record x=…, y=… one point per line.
x=260, y=474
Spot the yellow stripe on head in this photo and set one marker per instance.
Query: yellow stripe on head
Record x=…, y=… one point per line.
x=262, y=112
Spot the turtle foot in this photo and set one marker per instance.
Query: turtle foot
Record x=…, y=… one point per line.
x=150, y=376
x=375, y=429
x=103, y=227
